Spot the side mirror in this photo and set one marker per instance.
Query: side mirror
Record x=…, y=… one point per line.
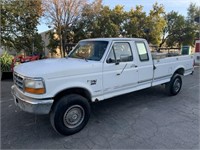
x=109, y=61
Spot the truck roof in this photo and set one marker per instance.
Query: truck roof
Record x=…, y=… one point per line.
x=114, y=39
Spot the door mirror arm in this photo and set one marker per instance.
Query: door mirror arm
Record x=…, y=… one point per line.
x=117, y=62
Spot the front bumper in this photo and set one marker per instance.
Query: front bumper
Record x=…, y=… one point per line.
x=31, y=105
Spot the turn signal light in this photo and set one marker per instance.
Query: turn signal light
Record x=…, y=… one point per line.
x=35, y=91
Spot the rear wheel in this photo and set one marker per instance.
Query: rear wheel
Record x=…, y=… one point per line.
x=70, y=114
x=174, y=86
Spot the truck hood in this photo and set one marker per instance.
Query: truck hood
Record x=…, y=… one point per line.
x=54, y=68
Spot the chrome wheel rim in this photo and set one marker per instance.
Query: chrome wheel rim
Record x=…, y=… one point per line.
x=177, y=85
x=74, y=116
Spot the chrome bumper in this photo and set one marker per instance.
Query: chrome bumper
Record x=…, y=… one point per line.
x=36, y=106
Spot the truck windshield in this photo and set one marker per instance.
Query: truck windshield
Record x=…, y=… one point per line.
x=89, y=50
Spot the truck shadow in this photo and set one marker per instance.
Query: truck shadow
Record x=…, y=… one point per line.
x=133, y=99
x=7, y=76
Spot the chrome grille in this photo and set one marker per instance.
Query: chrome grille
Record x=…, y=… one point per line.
x=18, y=81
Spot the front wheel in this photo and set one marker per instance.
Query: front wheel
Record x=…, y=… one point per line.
x=70, y=114
x=174, y=86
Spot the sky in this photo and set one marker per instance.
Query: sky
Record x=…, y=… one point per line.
x=177, y=5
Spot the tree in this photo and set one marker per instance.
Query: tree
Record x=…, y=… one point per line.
x=193, y=11
x=183, y=31
x=135, y=22
x=88, y=22
x=173, y=28
x=53, y=41
x=19, y=21
x=118, y=17
x=155, y=24
x=63, y=15
x=193, y=15
x=138, y=24
x=38, y=45
x=106, y=22
x=105, y=26
x=100, y=21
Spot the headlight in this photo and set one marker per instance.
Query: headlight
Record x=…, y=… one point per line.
x=34, y=86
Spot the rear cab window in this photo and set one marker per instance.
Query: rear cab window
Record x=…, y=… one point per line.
x=142, y=51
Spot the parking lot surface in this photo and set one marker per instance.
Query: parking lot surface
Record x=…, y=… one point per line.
x=146, y=119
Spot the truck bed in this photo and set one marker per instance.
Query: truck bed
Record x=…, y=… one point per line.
x=165, y=67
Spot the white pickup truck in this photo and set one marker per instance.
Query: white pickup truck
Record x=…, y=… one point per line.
x=96, y=69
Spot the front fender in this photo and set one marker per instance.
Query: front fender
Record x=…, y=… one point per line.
x=69, y=85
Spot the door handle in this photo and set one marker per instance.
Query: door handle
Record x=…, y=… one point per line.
x=133, y=65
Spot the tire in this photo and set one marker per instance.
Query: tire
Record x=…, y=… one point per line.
x=174, y=86
x=70, y=114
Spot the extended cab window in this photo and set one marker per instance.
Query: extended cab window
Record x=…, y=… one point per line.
x=120, y=52
x=142, y=51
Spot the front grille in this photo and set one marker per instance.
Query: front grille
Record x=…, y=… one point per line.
x=18, y=81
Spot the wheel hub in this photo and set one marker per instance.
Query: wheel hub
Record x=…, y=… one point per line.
x=177, y=85
x=73, y=116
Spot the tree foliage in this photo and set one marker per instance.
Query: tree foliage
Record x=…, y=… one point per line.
x=95, y=20
x=73, y=20
x=53, y=41
x=19, y=20
x=135, y=23
x=173, y=29
x=181, y=30
x=193, y=11
x=106, y=22
x=155, y=24
x=62, y=15
x=88, y=26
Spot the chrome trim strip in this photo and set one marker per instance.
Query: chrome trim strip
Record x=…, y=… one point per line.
x=147, y=80
x=159, y=78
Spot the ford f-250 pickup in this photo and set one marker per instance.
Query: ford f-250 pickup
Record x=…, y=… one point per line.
x=95, y=70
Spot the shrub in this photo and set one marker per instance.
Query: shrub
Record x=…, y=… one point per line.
x=6, y=61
